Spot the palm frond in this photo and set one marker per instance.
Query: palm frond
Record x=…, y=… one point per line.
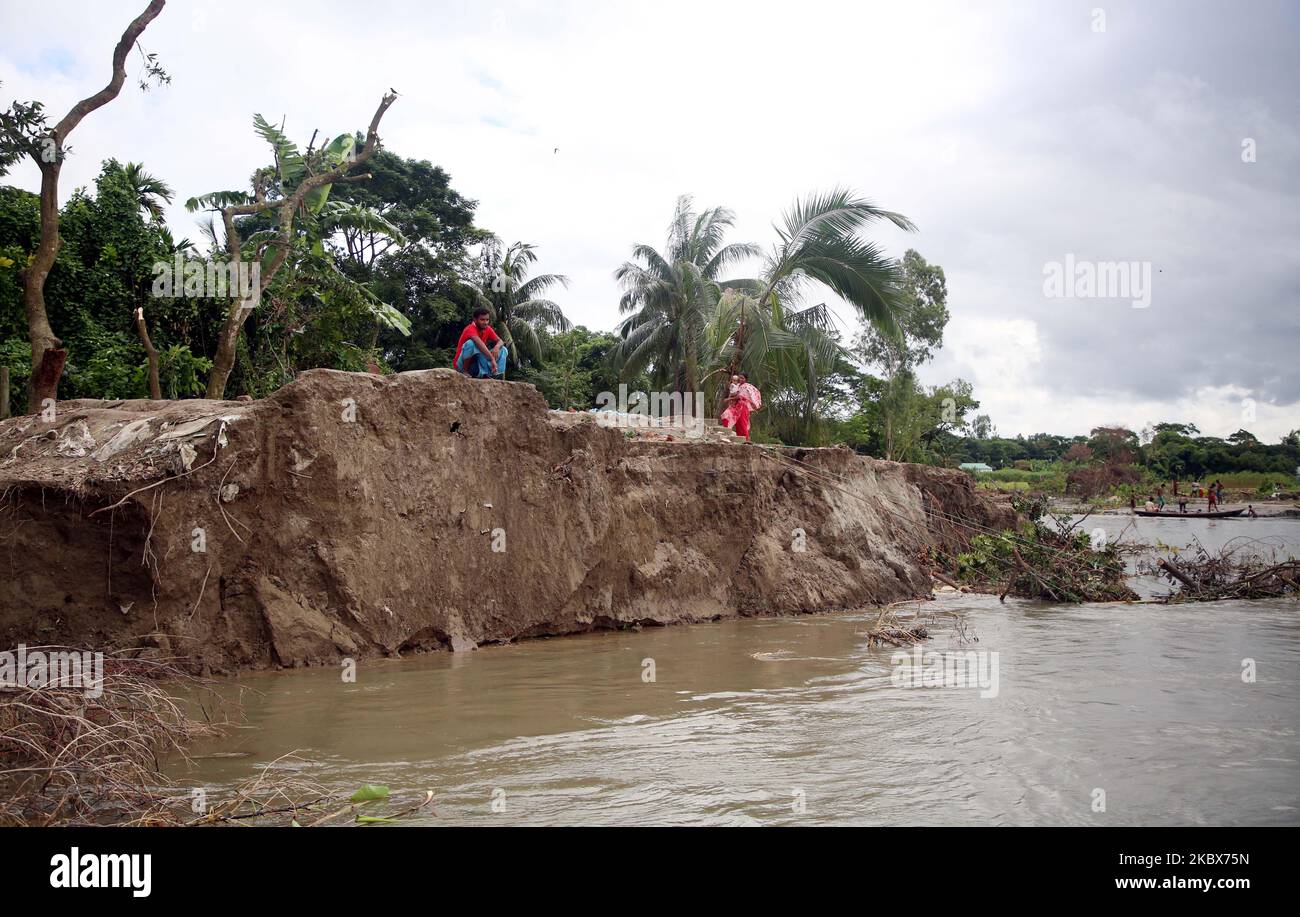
x=542, y=312
x=730, y=254
x=524, y=335
x=217, y=200
x=537, y=286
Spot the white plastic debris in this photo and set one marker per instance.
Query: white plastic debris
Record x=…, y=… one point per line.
x=185, y=456
x=125, y=438
x=76, y=441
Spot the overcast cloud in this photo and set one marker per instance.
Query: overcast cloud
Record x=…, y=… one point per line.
x=1012, y=134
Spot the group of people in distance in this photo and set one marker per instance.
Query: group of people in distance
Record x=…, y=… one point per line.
x=481, y=354
x=1213, y=494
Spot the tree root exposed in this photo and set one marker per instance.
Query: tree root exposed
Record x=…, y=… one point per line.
x=69, y=758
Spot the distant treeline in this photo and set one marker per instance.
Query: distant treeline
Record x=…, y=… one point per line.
x=1167, y=450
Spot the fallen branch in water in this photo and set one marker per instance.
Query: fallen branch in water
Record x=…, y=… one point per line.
x=1047, y=560
x=1247, y=570
x=889, y=629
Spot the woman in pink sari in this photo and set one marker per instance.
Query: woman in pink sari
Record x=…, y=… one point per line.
x=742, y=398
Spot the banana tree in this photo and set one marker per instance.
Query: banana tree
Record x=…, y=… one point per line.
x=293, y=215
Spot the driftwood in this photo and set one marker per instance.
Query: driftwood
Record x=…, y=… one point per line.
x=1172, y=569
x=947, y=581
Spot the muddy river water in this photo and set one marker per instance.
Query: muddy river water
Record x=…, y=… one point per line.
x=1099, y=714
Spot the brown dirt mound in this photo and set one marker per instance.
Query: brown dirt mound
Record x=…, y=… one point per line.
x=351, y=515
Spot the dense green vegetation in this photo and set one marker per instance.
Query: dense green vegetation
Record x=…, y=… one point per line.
x=102, y=274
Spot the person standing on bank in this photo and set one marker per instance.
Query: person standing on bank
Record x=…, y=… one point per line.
x=480, y=354
x=742, y=398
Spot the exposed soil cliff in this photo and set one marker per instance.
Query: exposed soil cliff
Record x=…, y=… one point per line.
x=353, y=515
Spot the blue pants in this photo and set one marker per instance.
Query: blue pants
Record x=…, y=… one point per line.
x=480, y=364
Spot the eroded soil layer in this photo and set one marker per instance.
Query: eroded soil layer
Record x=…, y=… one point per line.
x=353, y=515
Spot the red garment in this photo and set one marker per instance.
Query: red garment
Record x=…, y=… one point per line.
x=487, y=335
x=737, y=416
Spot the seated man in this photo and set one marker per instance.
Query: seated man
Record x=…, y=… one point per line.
x=479, y=352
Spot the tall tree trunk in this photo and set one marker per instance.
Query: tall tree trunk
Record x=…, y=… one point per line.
x=48, y=357
x=155, y=388
x=227, y=341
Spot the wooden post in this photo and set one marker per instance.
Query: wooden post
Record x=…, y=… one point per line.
x=4, y=392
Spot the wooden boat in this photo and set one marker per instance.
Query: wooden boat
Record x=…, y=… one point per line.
x=1174, y=514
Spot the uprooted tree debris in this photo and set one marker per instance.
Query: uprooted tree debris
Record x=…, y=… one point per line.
x=88, y=753
x=890, y=629
x=1241, y=569
x=1046, y=557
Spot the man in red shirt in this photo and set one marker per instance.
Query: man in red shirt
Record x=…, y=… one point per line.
x=479, y=352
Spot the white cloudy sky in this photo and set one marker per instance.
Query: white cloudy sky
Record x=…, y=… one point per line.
x=1011, y=133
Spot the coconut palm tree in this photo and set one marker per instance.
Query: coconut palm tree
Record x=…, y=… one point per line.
x=670, y=296
x=150, y=192
x=754, y=327
x=819, y=243
x=523, y=313
x=692, y=329
x=784, y=352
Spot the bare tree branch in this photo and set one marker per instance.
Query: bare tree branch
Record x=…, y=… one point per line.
x=47, y=369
